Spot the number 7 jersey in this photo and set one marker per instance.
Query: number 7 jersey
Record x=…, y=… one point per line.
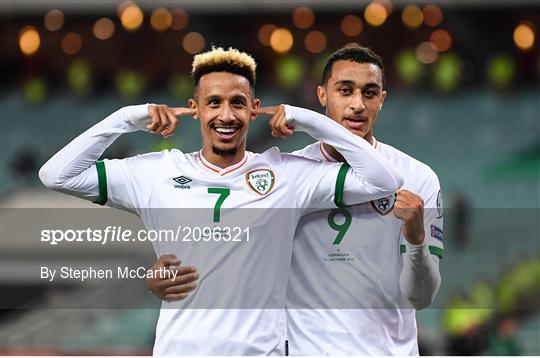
x=236, y=226
x=344, y=295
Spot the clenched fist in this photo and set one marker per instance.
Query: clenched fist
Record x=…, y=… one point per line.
x=409, y=208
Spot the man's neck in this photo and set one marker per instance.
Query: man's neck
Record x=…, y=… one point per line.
x=223, y=161
x=336, y=155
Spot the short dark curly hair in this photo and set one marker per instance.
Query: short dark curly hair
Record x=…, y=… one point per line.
x=355, y=53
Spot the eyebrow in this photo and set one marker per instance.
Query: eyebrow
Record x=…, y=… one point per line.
x=234, y=96
x=240, y=95
x=371, y=85
x=352, y=83
x=212, y=96
x=344, y=82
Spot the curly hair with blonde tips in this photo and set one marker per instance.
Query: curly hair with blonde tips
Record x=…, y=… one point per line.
x=220, y=60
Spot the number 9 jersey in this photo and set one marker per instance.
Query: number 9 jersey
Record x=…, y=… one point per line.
x=344, y=295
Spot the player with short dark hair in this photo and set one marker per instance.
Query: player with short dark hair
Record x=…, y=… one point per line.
x=358, y=272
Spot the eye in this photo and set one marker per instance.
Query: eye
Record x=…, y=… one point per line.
x=345, y=91
x=213, y=102
x=238, y=102
x=370, y=93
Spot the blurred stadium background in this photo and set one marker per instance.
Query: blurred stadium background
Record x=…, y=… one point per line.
x=463, y=82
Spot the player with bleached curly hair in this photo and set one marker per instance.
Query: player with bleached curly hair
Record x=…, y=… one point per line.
x=223, y=316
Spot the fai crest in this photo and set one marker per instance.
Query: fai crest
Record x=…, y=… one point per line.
x=384, y=205
x=260, y=180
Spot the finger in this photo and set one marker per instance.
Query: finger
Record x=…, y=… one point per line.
x=406, y=192
x=152, y=111
x=404, y=199
x=180, y=288
x=408, y=204
x=173, y=123
x=410, y=196
x=183, y=111
x=177, y=276
x=175, y=297
x=272, y=130
x=184, y=270
x=164, y=121
x=282, y=134
x=276, y=132
x=169, y=259
x=284, y=127
x=187, y=278
x=266, y=110
x=274, y=124
x=398, y=213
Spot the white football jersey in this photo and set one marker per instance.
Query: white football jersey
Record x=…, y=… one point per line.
x=343, y=296
x=238, y=306
x=236, y=224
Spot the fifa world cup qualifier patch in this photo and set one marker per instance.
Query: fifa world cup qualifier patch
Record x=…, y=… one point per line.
x=439, y=205
x=436, y=232
x=260, y=181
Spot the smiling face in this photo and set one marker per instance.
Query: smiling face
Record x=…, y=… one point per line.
x=353, y=96
x=224, y=104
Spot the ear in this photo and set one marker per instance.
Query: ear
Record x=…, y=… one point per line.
x=193, y=105
x=321, y=93
x=383, y=96
x=254, y=105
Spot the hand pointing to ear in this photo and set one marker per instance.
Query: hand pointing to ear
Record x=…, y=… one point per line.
x=164, y=118
x=278, y=123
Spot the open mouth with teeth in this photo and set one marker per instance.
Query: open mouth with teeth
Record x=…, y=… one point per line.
x=226, y=132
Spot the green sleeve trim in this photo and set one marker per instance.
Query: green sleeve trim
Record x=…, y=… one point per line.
x=102, y=183
x=437, y=251
x=434, y=250
x=340, y=183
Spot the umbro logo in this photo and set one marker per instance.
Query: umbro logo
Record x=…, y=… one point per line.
x=182, y=181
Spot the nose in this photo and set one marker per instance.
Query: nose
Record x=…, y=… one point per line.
x=357, y=102
x=227, y=113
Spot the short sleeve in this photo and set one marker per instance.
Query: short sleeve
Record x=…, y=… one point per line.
x=127, y=183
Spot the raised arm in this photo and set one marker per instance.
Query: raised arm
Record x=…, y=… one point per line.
x=73, y=169
x=370, y=177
